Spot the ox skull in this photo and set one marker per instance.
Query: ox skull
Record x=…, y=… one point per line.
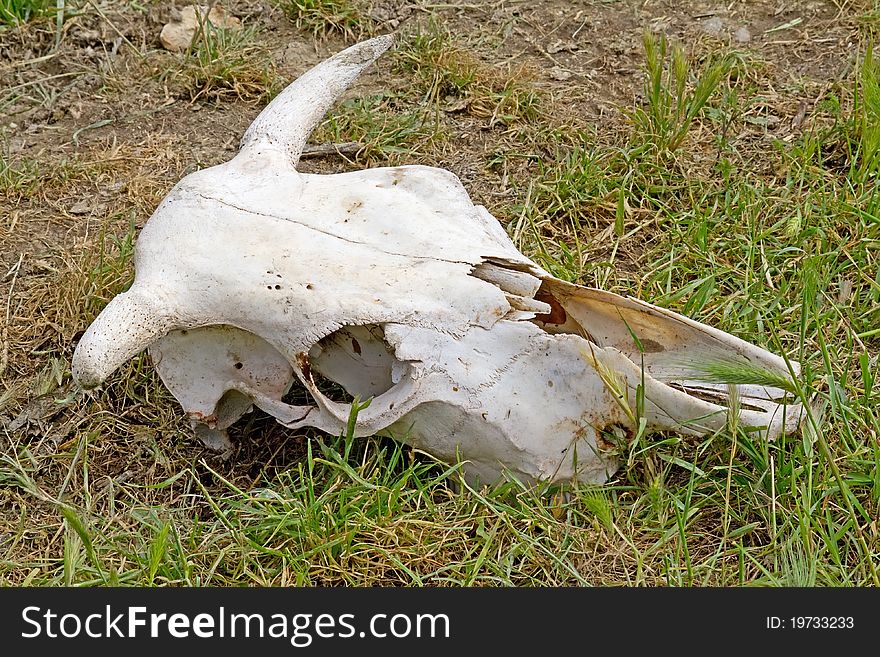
x=390, y=282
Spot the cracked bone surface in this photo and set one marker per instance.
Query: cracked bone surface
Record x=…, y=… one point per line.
x=253, y=278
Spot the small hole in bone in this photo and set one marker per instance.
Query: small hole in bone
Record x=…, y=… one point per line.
x=309, y=286
x=277, y=287
x=268, y=287
x=238, y=366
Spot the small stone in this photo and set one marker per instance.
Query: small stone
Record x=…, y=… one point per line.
x=660, y=24
x=451, y=104
x=713, y=26
x=81, y=207
x=560, y=74
x=562, y=46
x=178, y=34
x=742, y=34
x=216, y=440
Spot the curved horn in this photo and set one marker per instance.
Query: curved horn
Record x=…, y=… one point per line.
x=127, y=326
x=289, y=119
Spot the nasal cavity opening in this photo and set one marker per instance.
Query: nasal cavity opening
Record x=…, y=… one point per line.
x=557, y=315
x=558, y=320
x=354, y=361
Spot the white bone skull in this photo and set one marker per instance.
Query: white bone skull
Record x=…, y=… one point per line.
x=390, y=282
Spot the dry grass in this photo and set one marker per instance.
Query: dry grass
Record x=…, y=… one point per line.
x=454, y=80
x=350, y=18
x=222, y=63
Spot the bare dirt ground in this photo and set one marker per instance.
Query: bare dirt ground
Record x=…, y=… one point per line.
x=99, y=128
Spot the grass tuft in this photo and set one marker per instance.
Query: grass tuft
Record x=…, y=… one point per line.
x=672, y=100
x=325, y=17
x=386, y=131
x=453, y=80
x=867, y=118
x=738, y=372
x=224, y=62
x=17, y=12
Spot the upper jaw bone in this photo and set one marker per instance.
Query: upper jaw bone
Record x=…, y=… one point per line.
x=253, y=279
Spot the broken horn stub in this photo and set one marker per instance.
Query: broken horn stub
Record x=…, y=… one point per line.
x=130, y=323
x=391, y=285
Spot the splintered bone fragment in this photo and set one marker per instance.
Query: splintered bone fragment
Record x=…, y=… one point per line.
x=254, y=281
